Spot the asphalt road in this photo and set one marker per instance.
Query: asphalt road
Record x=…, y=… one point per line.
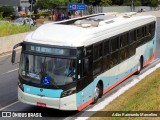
x=8, y=89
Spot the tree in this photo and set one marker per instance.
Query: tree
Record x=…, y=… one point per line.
x=6, y=10
x=145, y=2
x=129, y=2
x=105, y=3
x=153, y=3
x=117, y=2
x=51, y=4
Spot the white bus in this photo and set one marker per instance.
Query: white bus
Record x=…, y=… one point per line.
x=70, y=64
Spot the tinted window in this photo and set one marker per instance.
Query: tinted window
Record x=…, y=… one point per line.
x=132, y=36
x=87, y=66
x=139, y=33
x=153, y=28
x=114, y=59
x=98, y=51
x=143, y=31
x=88, y=51
x=132, y=49
x=114, y=44
x=123, y=53
x=124, y=40
x=97, y=67
x=106, y=62
x=148, y=30
x=106, y=47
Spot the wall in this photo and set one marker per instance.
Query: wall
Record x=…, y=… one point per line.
x=99, y=9
x=7, y=42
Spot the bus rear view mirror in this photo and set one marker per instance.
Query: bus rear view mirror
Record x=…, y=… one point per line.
x=13, y=56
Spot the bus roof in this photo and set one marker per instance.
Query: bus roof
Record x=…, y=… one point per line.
x=86, y=30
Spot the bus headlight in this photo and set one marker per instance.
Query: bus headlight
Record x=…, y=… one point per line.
x=20, y=86
x=68, y=92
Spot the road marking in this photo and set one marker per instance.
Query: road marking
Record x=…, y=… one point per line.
x=10, y=71
x=9, y=105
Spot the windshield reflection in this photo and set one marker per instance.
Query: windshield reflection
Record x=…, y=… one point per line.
x=47, y=70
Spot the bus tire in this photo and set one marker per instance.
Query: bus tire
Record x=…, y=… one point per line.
x=97, y=93
x=140, y=66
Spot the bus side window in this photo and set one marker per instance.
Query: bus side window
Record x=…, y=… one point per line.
x=106, y=47
x=87, y=61
x=106, y=55
x=114, y=51
x=132, y=46
x=97, y=51
x=97, y=63
x=148, y=31
x=153, y=29
x=132, y=36
x=124, y=40
x=87, y=66
x=139, y=33
x=114, y=44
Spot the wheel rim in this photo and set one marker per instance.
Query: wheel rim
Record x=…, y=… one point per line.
x=97, y=92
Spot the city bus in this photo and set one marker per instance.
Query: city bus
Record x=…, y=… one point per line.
x=68, y=65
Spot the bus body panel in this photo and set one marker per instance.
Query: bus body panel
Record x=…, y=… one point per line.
x=117, y=74
x=51, y=93
x=66, y=103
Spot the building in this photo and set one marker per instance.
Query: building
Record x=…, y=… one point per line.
x=19, y=5
x=9, y=2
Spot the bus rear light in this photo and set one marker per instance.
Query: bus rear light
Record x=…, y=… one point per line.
x=20, y=86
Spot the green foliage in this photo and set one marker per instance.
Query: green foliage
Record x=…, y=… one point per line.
x=1, y=15
x=153, y=3
x=135, y=3
x=52, y=4
x=117, y=2
x=48, y=4
x=75, y=1
x=7, y=10
x=7, y=28
x=105, y=3
x=145, y=2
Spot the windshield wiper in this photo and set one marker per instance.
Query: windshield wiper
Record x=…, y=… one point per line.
x=71, y=72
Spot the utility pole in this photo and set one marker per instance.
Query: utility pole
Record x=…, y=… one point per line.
x=82, y=10
x=132, y=5
x=31, y=2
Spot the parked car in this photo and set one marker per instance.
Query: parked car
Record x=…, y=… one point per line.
x=23, y=21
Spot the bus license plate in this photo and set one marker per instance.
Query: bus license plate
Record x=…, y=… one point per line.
x=41, y=104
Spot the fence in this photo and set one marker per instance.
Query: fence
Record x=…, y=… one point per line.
x=99, y=9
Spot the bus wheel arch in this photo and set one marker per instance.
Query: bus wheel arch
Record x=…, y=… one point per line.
x=98, y=92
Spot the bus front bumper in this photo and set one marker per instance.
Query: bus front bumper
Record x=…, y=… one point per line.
x=66, y=103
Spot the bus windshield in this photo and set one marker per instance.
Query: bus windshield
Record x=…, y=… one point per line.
x=47, y=70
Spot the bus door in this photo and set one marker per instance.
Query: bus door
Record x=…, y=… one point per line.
x=86, y=76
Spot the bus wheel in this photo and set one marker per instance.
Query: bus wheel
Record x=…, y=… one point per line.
x=139, y=67
x=96, y=93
